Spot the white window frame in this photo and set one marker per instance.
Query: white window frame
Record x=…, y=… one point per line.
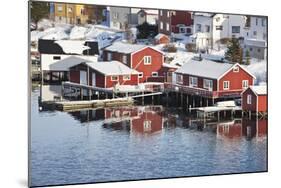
x=179, y=78
x=208, y=86
x=193, y=81
x=125, y=59
x=147, y=125
x=127, y=77
x=236, y=69
x=161, y=13
x=115, y=79
x=234, y=31
x=154, y=74
x=109, y=56
x=249, y=99
x=228, y=84
x=168, y=14
x=245, y=84
x=161, y=25
x=167, y=27
x=60, y=8
x=147, y=60
x=140, y=75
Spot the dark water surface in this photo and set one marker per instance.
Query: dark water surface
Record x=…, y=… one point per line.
x=139, y=143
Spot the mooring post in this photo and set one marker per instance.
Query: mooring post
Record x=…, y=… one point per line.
x=193, y=102
x=181, y=99
x=250, y=114
x=218, y=116
x=62, y=91
x=81, y=94
x=90, y=94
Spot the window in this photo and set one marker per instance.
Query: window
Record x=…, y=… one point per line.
x=167, y=27
x=161, y=13
x=198, y=27
x=109, y=56
x=219, y=27
x=179, y=78
x=154, y=74
x=257, y=21
x=225, y=85
x=147, y=125
x=115, y=15
x=125, y=59
x=56, y=57
x=263, y=22
x=147, y=60
x=193, y=81
x=259, y=50
x=235, y=29
x=70, y=9
x=245, y=84
x=114, y=78
x=140, y=75
x=264, y=36
x=161, y=25
x=249, y=99
x=208, y=84
x=255, y=33
x=127, y=77
x=207, y=28
x=236, y=69
x=60, y=8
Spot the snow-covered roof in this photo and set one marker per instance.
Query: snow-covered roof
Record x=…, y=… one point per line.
x=255, y=42
x=150, y=11
x=170, y=66
x=65, y=64
x=72, y=46
x=259, y=90
x=125, y=48
x=159, y=36
x=204, y=68
x=111, y=68
x=204, y=14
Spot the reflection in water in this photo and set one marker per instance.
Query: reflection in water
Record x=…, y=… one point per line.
x=152, y=119
x=139, y=142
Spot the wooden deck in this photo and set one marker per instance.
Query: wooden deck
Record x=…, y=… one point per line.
x=89, y=104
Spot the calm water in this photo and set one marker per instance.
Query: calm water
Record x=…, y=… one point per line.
x=139, y=143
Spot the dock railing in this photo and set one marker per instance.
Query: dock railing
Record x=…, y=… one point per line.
x=191, y=90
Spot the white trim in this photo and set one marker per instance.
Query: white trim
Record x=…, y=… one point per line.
x=190, y=79
x=177, y=80
x=126, y=78
x=154, y=73
x=147, y=47
x=116, y=79
x=249, y=99
x=235, y=69
x=236, y=64
x=228, y=83
x=141, y=75
x=147, y=60
x=210, y=81
x=246, y=81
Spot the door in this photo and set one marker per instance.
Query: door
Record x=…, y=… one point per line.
x=93, y=79
x=83, y=77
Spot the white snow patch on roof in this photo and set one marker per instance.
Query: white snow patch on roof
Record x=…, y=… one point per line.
x=170, y=66
x=159, y=36
x=204, y=68
x=65, y=64
x=111, y=68
x=78, y=32
x=125, y=48
x=259, y=90
x=72, y=46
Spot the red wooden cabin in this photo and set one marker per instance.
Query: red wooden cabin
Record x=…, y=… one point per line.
x=254, y=99
x=103, y=74
x=212, y=79
x=161, y=39
x=145, y=59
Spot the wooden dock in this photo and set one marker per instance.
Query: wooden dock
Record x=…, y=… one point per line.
x=89, y=104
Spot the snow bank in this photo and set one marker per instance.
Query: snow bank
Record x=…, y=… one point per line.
x=45, y=24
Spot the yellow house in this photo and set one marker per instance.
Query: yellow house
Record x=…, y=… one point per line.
x=70, y=13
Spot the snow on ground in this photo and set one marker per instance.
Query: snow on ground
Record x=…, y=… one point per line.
x=259, y=69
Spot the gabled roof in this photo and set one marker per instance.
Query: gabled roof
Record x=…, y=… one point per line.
x=160, y=35
x=65, y=64
x=126, y=48
x=111, y=68
x=259, y=90
x=204, y=68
